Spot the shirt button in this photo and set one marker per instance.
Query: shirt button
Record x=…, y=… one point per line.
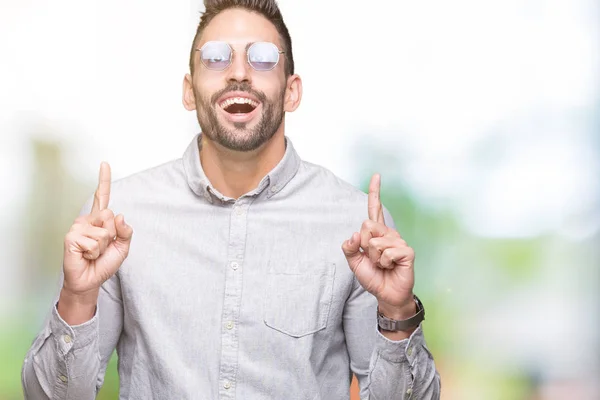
x=408, y=393
x=227, y=385
x=63, y=378
x=409, y=352
x=67, y=339
x=239, y=210
x=230, y=325
x=234, y=265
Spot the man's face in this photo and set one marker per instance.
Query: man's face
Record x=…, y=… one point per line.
x=239, y=108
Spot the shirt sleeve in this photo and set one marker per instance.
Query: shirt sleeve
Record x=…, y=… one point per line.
x=69, y=362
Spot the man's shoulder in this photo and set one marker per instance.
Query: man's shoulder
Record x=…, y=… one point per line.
x=143, y=184
x=161, y=180
x=323, y=180
x=326, y=187
x=163, y=174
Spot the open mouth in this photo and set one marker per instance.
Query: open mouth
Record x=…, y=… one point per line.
x=239, y=105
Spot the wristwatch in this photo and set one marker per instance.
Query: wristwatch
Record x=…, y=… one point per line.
x=393, y=325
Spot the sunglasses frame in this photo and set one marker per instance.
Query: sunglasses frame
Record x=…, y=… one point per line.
x=232, y=50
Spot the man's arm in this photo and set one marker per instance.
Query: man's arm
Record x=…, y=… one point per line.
x=69, y=361
x=386, y=369
x=68, y=358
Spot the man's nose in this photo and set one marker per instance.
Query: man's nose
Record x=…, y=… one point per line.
x=239, y=70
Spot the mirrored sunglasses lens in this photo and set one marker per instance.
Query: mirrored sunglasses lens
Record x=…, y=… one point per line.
x=263, y=56
x=215, y=55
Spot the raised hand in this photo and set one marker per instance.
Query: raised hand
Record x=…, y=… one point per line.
x=381, y=260
x=94, y=248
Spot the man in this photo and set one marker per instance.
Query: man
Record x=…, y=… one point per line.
x=234, y=285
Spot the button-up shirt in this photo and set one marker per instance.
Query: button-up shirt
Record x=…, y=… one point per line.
x=223, y=298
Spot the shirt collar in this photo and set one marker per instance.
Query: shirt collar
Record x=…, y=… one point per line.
x=273, y=182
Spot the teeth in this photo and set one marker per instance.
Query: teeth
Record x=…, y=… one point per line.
x=238, y=100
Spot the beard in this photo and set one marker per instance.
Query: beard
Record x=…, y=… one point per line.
x=242, y=138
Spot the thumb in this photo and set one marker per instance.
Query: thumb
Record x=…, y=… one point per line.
x=124, y=231
x=351, y=248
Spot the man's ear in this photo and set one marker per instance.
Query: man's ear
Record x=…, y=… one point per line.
x=293, y=93
x=189, y=100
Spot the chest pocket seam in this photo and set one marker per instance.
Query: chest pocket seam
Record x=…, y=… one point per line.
x=297, y=302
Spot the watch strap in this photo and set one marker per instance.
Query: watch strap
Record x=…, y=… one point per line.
x=388, y=324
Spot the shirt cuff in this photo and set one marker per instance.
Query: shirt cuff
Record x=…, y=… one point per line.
x=401, y=350
x=73, y=337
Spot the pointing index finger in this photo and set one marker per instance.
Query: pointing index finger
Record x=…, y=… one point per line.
x=102, y=195
x=374, y=200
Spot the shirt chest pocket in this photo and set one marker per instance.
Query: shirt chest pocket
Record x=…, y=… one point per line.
x=298, y=298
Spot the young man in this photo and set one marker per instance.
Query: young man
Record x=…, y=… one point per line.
x=234, y=285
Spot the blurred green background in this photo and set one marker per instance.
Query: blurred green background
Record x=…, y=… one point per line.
x=482, y=117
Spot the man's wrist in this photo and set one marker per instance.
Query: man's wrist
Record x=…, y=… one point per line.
x=400, y=312
x=76, y=309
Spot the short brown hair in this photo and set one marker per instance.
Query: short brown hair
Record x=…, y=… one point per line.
x=267, y=8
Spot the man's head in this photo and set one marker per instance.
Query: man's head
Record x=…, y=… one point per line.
x=241, y=77
x=266, y=8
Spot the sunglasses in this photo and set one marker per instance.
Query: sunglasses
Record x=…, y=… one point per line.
x=217, y=56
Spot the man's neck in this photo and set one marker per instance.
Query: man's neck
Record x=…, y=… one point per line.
x=235, y=173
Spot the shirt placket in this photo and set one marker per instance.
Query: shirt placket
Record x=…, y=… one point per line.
x=232, y=297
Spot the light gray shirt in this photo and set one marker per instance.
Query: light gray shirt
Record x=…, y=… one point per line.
x=222, y=298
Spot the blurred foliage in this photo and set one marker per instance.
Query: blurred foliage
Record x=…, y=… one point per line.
x=456, y=272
